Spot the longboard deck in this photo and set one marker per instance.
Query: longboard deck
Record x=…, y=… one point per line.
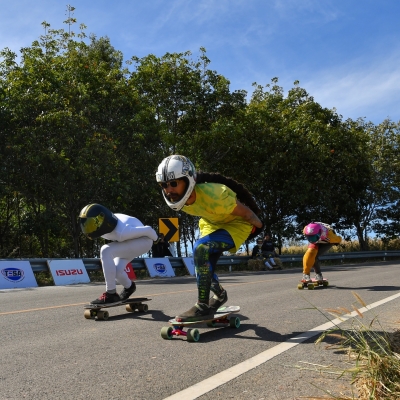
x=131, y=305
x=313, y=284
x=119, y=303
x=221, y=313
x=176, y=328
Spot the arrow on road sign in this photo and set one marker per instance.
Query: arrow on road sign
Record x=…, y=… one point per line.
x=170, y=228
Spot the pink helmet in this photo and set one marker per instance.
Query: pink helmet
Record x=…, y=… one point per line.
x=313, y=232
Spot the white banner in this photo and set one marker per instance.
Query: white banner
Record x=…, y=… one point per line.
x=16, y=274
x=67, y=272
x=189, y=264
x=159, y=267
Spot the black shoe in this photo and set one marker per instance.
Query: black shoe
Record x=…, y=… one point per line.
x=126, y=293
x=198, y=312
x=217, y=301
x=107, y=299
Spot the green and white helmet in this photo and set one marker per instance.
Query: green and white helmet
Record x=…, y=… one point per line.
x=177, y=167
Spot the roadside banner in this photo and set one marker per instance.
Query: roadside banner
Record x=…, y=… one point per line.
x=68, y=272
x=189, y=264
x=130, y=271
x=16, y=274
x=160, y=267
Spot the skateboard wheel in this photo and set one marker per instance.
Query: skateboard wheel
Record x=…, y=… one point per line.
x=103, y=315
x=300, y=286
x=143, y=307
x=211, y=324
x=193, y=335
x=166, y=332
x=88, y=314
x=310, y=286
x=325, y=283
x=130, y=307
x=234, y=322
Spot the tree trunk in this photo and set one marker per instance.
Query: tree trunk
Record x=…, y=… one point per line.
x=363, y=241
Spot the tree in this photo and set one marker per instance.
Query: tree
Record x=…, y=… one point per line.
x=386, y=140
x=75, y=125
x=187, y=99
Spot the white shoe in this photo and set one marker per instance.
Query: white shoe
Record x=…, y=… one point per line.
x=267, y=264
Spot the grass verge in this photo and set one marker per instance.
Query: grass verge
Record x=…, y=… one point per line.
x=373, y=356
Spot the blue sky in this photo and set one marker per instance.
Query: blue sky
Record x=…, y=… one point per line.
x=345, y=53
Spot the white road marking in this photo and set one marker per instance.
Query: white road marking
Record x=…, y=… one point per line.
x=203, y=387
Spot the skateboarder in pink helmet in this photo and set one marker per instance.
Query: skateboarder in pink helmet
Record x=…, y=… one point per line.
x=321, y=238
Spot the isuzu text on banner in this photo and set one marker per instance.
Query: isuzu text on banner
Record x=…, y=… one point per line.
x=68, y=272
x=16, y=274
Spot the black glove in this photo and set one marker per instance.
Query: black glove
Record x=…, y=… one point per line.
x=256, y=231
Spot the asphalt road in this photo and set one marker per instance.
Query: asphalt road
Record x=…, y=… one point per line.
x=50, y=351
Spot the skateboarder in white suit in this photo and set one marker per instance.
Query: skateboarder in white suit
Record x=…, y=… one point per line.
x=130, y=239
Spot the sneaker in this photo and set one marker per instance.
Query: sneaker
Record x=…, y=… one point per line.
x=199, y=312
x=217, y=301
x=126, y=293
x=268, y=265
x=107, y=298
x=306, y=277
x=319, y=277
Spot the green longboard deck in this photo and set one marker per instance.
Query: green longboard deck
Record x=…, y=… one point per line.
x=221, y=313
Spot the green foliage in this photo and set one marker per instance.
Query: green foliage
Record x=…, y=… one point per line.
x=77, y=127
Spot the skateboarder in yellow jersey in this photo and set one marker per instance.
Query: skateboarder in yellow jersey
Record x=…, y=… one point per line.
x=226, y=222
x=321, y=238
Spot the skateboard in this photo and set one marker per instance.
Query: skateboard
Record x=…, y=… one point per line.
x=193, y=335
x=134, y=303
x=310, y=285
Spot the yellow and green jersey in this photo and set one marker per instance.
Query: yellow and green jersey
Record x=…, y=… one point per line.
x=214, y=204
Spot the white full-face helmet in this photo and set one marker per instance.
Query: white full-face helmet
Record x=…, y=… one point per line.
x=177, y=167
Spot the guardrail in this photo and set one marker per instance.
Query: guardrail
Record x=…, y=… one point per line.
x=94, y=264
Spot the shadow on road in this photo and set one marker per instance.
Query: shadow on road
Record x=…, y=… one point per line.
x=372, y=288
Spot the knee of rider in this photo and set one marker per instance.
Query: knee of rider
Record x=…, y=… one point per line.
x=105, y=249
x=200, y=252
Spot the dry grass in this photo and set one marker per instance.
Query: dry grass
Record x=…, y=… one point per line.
x=374, y=245
x=373, y=354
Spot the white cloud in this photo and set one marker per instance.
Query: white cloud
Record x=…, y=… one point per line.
x=360, y=89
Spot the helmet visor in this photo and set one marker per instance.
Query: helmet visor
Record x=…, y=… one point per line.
x=313, y=238
x=91, y=224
